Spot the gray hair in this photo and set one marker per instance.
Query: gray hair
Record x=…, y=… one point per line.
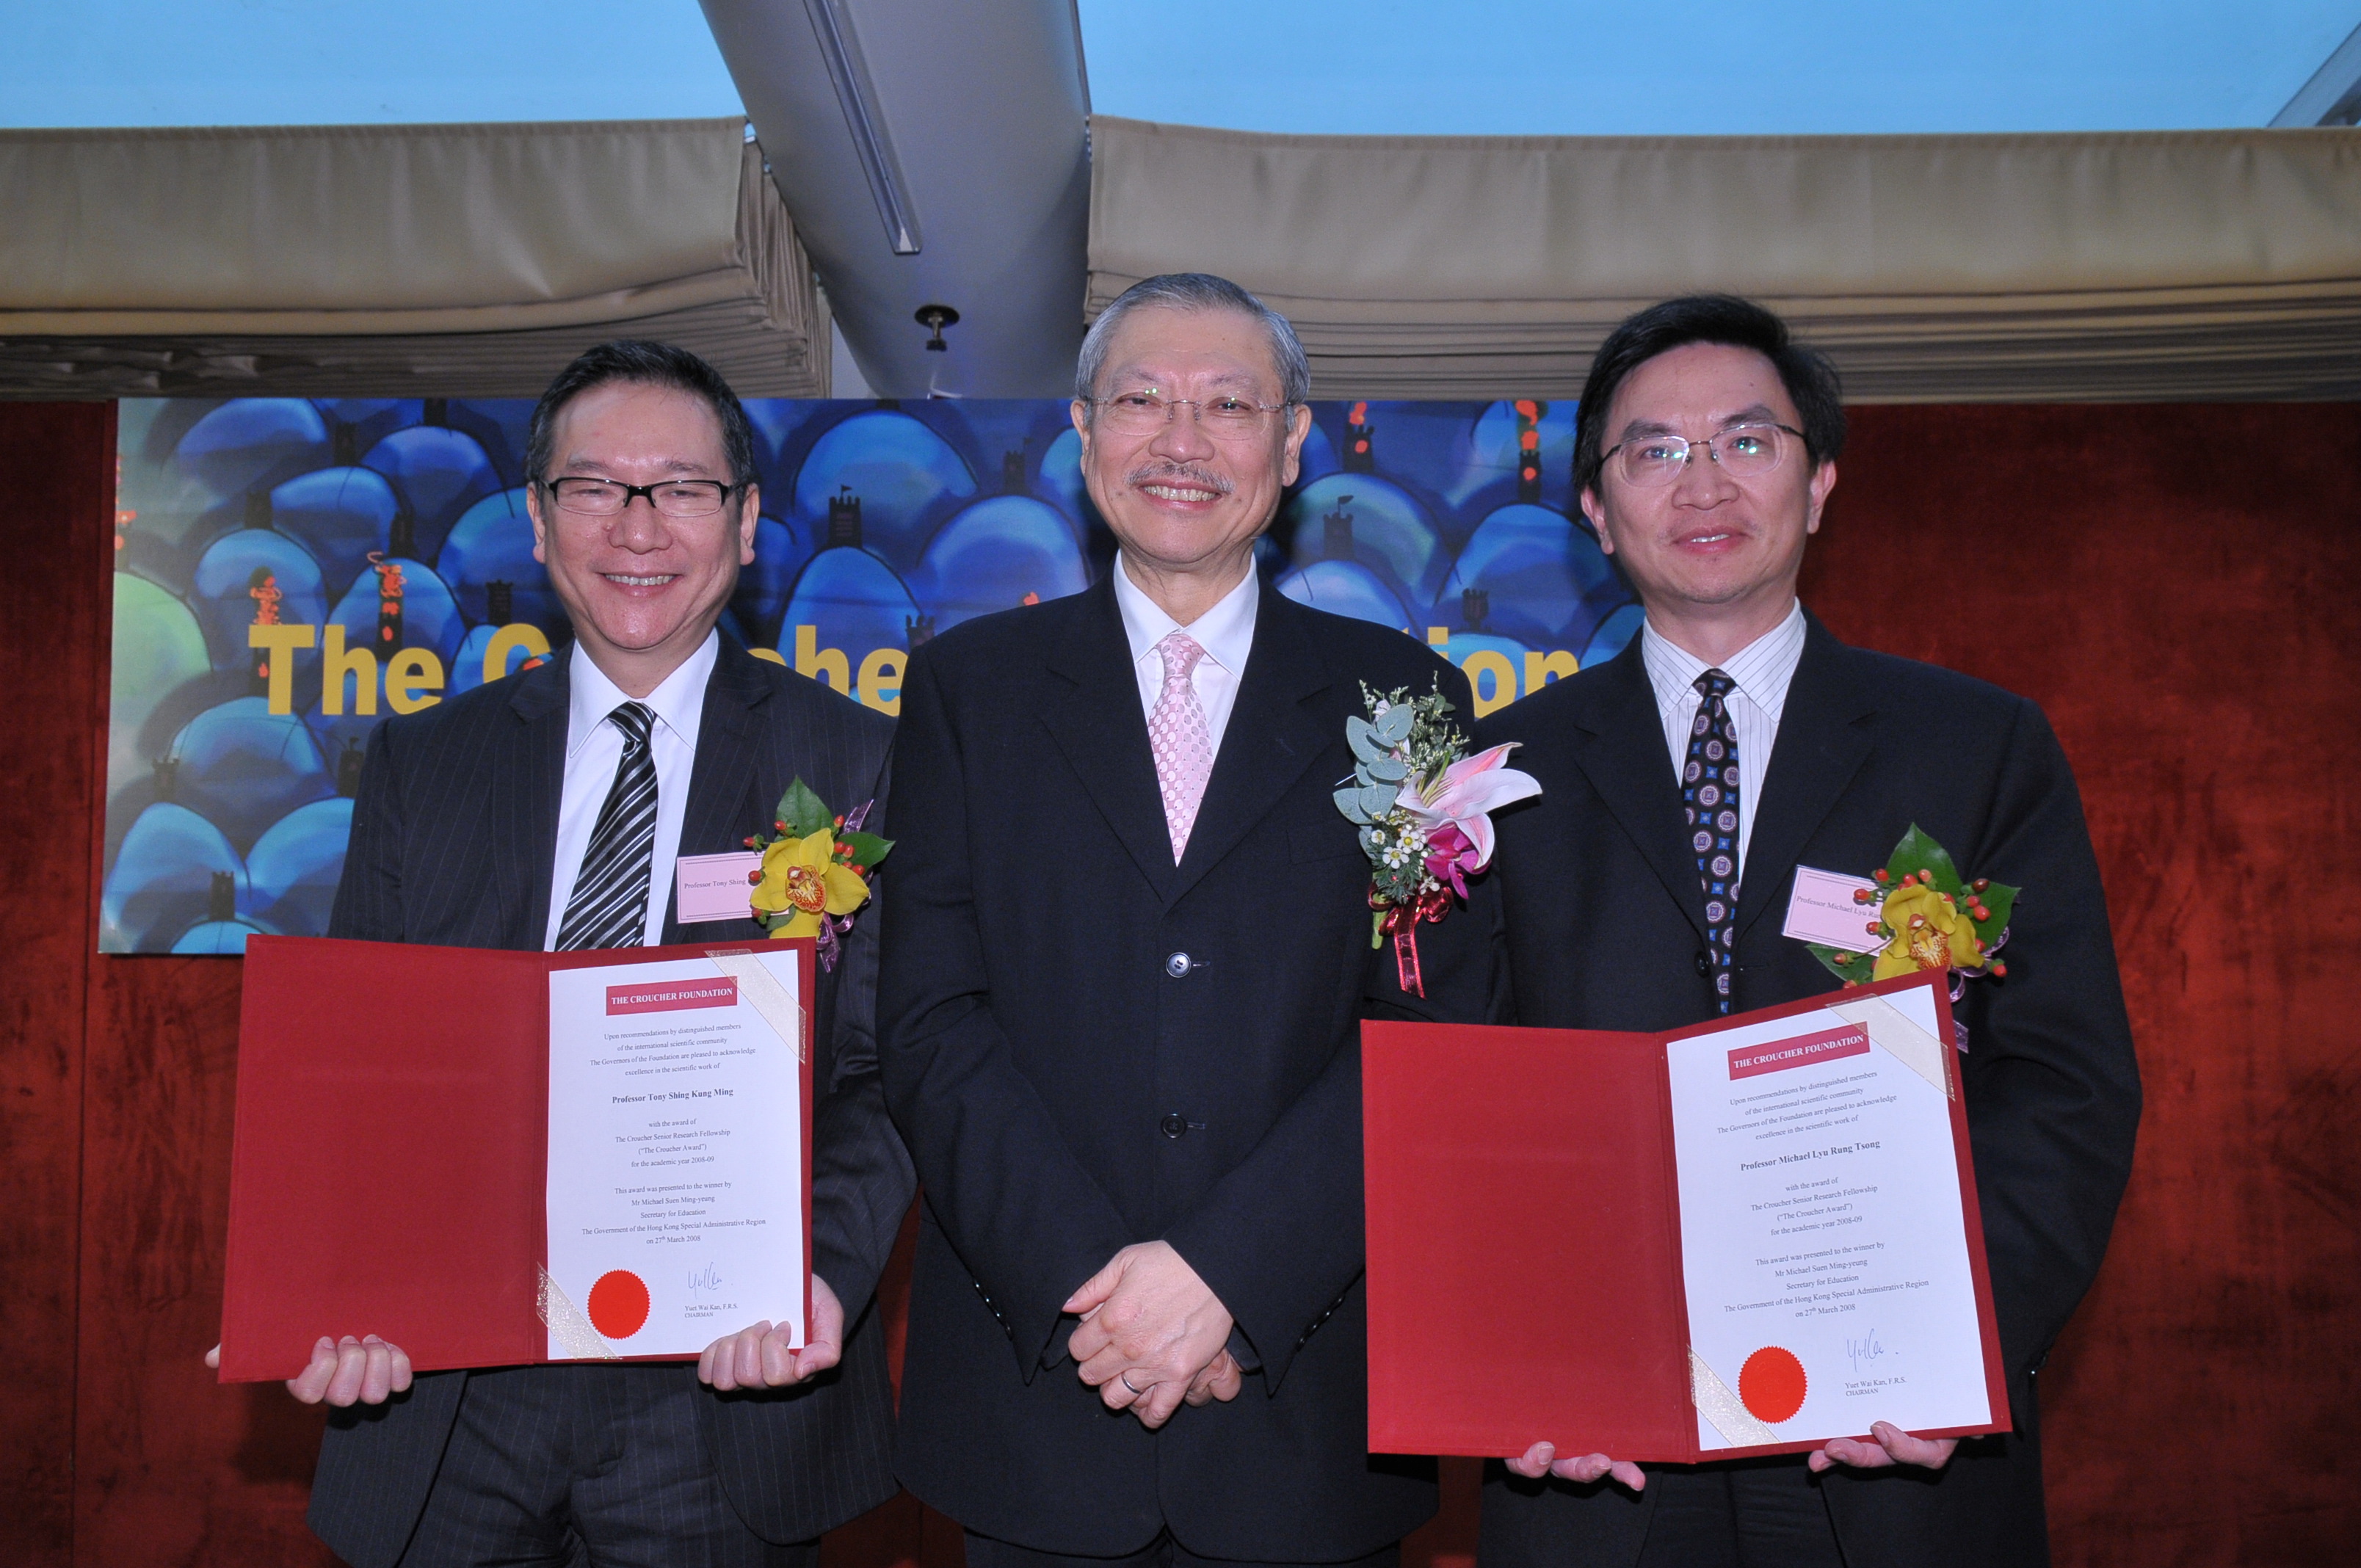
x=1195, y=291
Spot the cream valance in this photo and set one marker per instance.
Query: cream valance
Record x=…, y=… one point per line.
x=2022, y=268
x=448, y=261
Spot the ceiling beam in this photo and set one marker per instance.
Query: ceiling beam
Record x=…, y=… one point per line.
x=2332, y=96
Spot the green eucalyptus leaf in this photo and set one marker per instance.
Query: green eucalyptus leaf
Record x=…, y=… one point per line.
x=1378, y=799
x=1917, y=853
x=1386, y=770
x=1348, y=801
x=1393, y=726
x=1363, y=738
x=803, y=811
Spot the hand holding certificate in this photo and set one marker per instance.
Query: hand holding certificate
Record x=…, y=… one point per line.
x=1748, y=1237
x=565, y=1156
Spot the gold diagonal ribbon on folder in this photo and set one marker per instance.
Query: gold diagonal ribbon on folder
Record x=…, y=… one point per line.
x=575, y=1335
x=1726, y=1413
x=761, y=990
x=1893, y=1031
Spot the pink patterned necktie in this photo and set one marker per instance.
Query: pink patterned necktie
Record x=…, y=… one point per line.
x=1184, y=751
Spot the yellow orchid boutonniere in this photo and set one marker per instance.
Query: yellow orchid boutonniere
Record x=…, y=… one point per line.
x=1927, y=917
x=815, y=870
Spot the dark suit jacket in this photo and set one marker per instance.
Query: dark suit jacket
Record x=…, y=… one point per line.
x=1605, y=925
x=454, y=833
x=1086, y=1047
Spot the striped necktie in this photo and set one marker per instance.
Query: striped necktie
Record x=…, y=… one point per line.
x=609, y=905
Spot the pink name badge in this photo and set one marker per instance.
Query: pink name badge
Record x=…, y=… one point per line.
x=715, y=887
x=1822, y=909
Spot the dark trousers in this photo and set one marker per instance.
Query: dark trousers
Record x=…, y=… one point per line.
x=982, y=1551
x=1769, y=1513
x=584, y=1467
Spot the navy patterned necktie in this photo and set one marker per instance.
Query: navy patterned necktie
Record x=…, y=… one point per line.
x=1709, y=794
x=608, y=907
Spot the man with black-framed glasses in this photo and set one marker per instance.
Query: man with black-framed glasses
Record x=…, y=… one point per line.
x=1686, y=785
x=545, y=811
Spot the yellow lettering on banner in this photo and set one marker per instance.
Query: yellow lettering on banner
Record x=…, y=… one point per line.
x=881, y=672
x=506, y=639
x=1540, y=668
x=282, y=641
x=335, y=663
x=407, y=674
x=772, y=654
x=816, y=662
x=1438, y=636
x=1485, y=662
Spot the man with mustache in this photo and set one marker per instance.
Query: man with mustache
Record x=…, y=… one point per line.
x=1125, y=963
x=1645, y=891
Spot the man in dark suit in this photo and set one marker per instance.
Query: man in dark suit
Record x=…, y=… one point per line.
x=1644, y=891
x=1127, y=954
x=546, y=810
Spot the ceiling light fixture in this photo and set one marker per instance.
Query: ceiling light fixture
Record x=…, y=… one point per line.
x=857, y=95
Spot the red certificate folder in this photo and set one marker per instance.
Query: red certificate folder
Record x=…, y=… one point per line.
x=1525, y=1276
x=391, y=1146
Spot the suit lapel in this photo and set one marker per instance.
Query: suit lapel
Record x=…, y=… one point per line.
x=1099, y=726
x=526, y=791
x=722, y=783
x=1822, y=744
x=1622, y=753
x=1272, y=738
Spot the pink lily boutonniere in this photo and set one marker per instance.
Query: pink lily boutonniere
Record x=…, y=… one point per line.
x=1423, y=806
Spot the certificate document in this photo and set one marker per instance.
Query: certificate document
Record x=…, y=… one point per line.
x=677, y=1153
x=1824, y=1248
x=565, y=1156
x=1745, y=1237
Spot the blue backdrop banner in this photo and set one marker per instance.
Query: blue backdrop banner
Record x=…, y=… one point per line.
x=290, y=573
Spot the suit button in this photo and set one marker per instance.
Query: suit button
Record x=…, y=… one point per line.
x=1174, y=1125
x=1704, y=964
x=1177, y=965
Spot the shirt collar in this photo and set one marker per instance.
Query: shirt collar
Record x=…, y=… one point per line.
x=1763, y=670
x=679, y=702
x=1225, y=632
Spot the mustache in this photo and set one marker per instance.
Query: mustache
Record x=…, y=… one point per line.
x=1154, y=472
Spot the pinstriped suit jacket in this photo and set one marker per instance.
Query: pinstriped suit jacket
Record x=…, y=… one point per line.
x=454, y=833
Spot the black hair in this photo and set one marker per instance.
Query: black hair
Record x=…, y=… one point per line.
x=1811, y=381
x=652, y=364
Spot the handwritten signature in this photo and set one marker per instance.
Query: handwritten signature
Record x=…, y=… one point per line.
x=706, y=1278
x=1866, y=1348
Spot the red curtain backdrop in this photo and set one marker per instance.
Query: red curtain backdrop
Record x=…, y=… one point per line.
x=2174, y=584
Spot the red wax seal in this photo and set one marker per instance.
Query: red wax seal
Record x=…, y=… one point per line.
x=618, y=1305
x=1771, y=1385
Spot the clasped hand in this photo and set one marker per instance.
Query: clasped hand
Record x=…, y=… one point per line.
x=1153, y=1335
x=368, y=1371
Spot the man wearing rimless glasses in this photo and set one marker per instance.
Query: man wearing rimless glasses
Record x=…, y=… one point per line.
x=1685, y=783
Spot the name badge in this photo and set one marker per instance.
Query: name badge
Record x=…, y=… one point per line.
x=715, y=887
x=1822, y=909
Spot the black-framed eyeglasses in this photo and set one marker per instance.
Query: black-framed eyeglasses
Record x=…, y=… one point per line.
x=586, y=496
x=1746, y=451
x=1147, y=410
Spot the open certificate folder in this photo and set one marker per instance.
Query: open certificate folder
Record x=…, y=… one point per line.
x=493, y=1158
x=1746, y=1237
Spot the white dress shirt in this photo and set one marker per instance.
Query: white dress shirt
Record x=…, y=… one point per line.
x=1226, y=633
x=1763, y=671
x=593, y=749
